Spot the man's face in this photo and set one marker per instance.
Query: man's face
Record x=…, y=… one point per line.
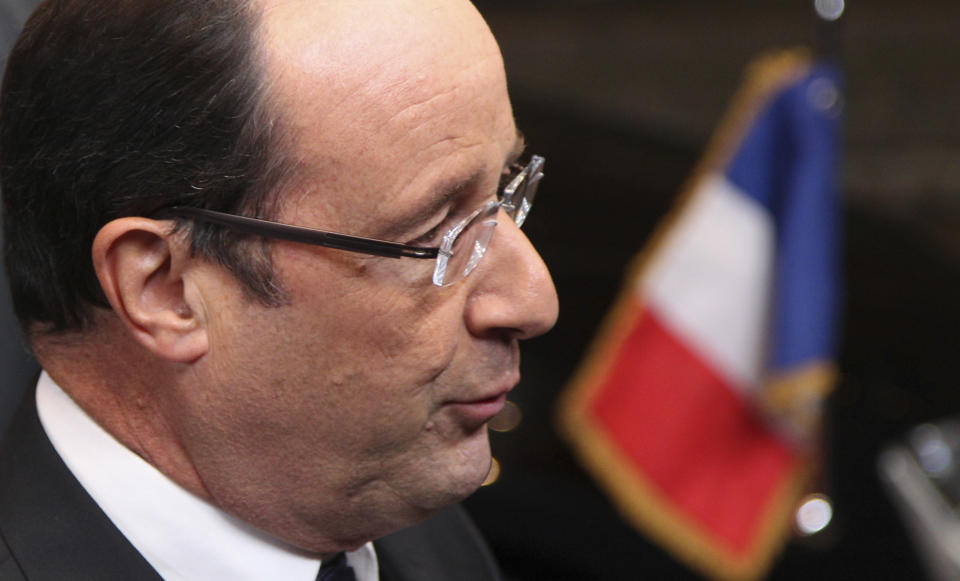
x=361, y=406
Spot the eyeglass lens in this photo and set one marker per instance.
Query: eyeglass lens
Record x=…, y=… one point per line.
x=459, y=256
x=465, y=246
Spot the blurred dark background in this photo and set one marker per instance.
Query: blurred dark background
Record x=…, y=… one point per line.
x=17, y=366
x=621, y=97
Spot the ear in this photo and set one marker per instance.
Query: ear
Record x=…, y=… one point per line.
x=141, y=267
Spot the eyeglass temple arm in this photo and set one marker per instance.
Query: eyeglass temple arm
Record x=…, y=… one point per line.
x=300, y=234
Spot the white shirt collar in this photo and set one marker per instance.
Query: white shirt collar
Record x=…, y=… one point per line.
x=182, y=536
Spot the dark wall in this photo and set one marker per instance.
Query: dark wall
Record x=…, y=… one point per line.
x=621, y=98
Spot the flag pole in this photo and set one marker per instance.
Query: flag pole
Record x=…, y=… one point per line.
x=814, y=515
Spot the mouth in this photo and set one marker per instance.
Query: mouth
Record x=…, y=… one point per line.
x=476, y=412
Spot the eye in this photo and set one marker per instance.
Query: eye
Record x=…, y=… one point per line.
x=432, y=237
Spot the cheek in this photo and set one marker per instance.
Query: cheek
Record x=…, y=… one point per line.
x=372, y=324
x=360, y=343
x=389, y=370
x=395, y=346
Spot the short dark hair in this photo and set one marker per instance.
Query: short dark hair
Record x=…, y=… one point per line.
x=112, y=108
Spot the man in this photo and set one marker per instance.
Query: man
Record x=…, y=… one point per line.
x=239, y=399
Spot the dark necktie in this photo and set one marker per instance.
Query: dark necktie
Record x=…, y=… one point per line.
x=336, y=569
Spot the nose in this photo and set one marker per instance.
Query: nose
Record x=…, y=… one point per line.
x=513, y=292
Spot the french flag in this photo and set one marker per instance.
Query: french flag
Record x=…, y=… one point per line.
x=698, y=406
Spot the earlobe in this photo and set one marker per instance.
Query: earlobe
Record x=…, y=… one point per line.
x=141, y=266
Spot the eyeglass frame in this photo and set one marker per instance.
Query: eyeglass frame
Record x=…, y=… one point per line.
x=528, y=179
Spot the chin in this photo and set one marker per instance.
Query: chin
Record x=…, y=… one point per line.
x=393, y=504
x=466, y=470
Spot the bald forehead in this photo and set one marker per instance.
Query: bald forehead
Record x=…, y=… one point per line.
x=345, y=42
x=356, y=79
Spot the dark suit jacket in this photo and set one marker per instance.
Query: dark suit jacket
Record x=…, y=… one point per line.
x=51, y=530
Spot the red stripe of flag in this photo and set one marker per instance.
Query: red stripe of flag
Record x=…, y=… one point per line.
x=689, y=435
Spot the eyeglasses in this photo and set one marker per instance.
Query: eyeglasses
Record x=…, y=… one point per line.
x=460, y=250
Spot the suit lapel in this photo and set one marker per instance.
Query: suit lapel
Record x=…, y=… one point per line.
x=53, y=529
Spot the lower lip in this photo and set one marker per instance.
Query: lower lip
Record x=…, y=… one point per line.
x=480, y=411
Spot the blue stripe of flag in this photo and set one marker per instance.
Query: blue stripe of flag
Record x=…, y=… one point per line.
x=788, y=163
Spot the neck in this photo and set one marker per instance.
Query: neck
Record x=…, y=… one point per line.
x=114, y=381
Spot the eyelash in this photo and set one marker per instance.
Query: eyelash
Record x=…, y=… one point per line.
x=427, y=238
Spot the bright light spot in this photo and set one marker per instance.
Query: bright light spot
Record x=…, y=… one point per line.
x=829, y=9
x=935, y=457
x=824, y=96
x=814, y=514
x=508, y=418
x=494, y=473
x=933, y=452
